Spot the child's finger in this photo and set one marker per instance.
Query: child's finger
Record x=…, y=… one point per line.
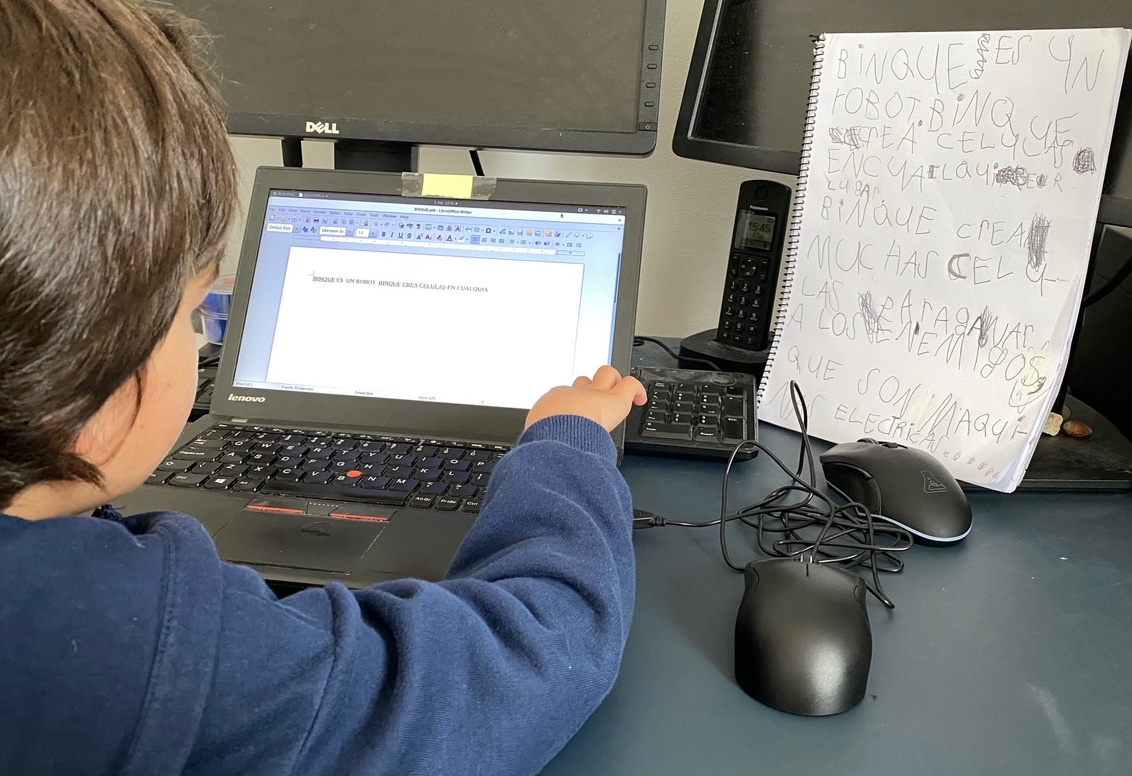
x=631, y=389
x=606, y=377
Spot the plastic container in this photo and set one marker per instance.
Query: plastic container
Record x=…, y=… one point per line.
x=214, y=309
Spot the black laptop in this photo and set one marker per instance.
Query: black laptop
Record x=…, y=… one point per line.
x=381, y=354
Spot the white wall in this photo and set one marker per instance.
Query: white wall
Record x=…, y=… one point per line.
x=690, y=203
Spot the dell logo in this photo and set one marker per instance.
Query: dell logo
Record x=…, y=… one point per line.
x=234, y=397
x=322, y=127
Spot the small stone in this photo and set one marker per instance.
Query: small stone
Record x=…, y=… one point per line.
x=1053, y=424
x=1077, y=429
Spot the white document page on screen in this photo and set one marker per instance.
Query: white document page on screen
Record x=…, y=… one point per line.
x=947, y=207
x=426, y=328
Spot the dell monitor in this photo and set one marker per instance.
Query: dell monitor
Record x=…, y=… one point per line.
x=581, y=76
x=745, y=97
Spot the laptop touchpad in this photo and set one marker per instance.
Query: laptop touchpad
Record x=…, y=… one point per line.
x=297, y=541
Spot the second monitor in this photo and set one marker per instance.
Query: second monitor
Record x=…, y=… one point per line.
x=479, y=73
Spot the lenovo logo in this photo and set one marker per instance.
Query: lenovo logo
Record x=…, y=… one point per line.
x=322, y=127
x=234, y=397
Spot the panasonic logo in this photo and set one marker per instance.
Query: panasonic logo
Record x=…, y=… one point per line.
x=322, y=127
x=234, y=397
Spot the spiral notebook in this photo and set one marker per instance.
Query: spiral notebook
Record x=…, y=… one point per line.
x=941, y=235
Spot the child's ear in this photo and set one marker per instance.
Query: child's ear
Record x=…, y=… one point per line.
x=103, y=435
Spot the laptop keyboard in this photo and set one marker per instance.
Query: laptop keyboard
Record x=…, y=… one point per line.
x=396, y=471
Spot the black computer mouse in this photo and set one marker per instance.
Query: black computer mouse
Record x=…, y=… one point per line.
x=802, y=637
x=903, y=485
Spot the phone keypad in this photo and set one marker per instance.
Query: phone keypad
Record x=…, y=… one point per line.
x=744, y=319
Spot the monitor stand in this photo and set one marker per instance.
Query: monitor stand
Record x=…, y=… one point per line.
x=370, y=155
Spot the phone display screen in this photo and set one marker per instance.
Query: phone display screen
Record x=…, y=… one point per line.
x=755, y=231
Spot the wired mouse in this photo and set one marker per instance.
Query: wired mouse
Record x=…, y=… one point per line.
x=903, y=485
x=802, y=638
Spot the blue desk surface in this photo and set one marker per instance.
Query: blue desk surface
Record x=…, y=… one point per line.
x=1008, y=654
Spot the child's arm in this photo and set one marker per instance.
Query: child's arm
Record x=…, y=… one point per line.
x=490, y=671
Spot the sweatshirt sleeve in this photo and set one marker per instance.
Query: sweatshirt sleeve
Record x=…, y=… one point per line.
x=490, y=671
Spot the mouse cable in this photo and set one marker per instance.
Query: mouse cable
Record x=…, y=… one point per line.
x=852, y=543
x=847, y=534
x=855, y=534
x=640, y=339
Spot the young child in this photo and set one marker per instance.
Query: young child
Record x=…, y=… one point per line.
x=129, y=647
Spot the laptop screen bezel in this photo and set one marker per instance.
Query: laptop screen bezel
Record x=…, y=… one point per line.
x=394, y=416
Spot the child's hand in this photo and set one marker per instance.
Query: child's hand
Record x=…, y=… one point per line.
x=606, y=399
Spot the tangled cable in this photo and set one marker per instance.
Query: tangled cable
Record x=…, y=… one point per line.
x=801, y=520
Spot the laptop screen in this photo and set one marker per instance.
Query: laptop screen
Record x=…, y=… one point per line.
x=475, y=303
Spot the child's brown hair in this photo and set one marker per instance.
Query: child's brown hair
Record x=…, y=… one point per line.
x=117, y=185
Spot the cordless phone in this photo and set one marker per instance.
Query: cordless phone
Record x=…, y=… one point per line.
x=761, y=217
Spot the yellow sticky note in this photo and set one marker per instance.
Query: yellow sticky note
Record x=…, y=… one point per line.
x=454, y=186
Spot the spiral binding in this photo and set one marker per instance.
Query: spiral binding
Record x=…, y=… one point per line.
x=796, y=214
